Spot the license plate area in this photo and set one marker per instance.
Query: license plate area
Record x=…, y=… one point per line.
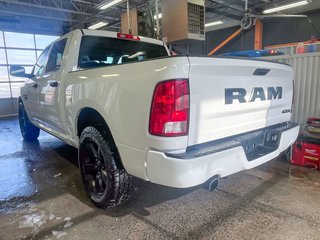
x=255, y=144
x=260, y=143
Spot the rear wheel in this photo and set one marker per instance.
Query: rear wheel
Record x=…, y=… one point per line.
x=105, y=180
x=28, y=131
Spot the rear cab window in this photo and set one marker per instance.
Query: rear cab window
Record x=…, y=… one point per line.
x=103, y=51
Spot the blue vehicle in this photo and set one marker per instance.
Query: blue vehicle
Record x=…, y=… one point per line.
x=254, y=53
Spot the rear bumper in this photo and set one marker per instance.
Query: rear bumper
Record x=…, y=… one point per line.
x=191, y=169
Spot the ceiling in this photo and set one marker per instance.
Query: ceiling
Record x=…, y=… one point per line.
x=82, y=13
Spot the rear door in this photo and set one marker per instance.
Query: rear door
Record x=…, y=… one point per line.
x=233, y=96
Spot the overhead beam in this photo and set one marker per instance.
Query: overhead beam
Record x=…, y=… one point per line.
x=15, y=2
x=219, y=12
x=227, y=6
x=82, y=1
x=36, y=16
x=98, y=15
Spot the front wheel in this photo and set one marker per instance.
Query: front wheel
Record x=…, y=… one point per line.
x=105, y=180
x=28, y=131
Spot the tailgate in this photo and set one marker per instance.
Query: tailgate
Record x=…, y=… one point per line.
x=233, y=96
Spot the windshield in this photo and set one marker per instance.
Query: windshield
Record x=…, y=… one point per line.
x=103, y=51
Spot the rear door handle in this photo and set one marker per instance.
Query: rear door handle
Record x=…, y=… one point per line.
x=35, y=85
x=53, y=83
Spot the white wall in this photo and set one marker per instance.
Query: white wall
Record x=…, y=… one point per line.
x=307, y=84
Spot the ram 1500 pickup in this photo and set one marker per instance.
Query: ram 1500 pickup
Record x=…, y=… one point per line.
x=131, y=109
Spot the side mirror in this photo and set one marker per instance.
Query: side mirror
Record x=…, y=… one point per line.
x=18, y=71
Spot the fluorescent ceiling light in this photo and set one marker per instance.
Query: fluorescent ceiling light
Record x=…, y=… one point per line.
x=98, y=25
x=213, y=23
x=159, y=16
x=110, y=4
x=287, y=6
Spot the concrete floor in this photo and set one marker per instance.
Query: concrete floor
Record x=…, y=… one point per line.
x=41, y=197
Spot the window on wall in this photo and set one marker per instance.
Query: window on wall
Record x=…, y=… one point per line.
x=42, y=41
x=19, y=40
x=19, y=49
x=1, y=39
x=21, y=57
x=3, y=74
x=5, y=90
x=2, y=57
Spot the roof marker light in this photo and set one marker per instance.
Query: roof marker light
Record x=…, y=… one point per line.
x=128, y=36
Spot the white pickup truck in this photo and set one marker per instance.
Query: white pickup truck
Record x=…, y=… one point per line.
x=133, y=110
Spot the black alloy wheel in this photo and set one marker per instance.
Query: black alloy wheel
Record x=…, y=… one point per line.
x=94, y=169
x=28, y=131
x=105, y=180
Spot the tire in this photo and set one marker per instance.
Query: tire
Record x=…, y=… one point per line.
x=28, y=131
x=105, y=180
x=288, y=153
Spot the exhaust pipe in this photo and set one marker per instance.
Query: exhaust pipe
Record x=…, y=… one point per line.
x=213, y=184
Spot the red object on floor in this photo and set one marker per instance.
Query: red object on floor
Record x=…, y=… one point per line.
x=306, y=152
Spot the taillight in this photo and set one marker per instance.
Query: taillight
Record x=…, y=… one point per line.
x=169, y=115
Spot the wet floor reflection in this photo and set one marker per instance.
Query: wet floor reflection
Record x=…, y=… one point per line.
x=15, y=180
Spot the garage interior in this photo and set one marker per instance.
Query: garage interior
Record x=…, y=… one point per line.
x=42, y=196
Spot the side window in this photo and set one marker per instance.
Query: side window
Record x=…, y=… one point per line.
x=55, y=57
x=41, y=63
